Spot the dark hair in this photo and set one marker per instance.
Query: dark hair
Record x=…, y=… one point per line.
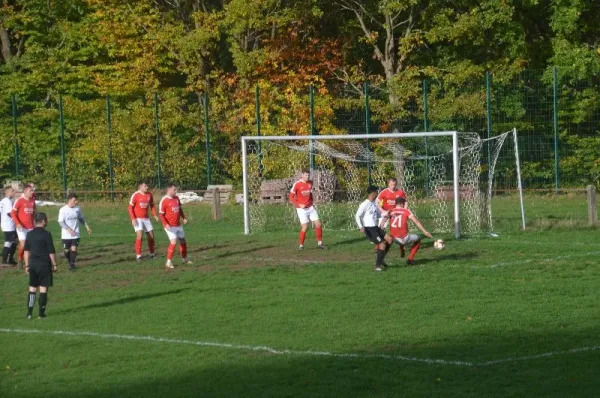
x=40, y=218
x=305, y=170
x=400, y=200
x=141, y=182
x=393, y=179
x=371, y=189
x=27, y=186
x=71, y=196
x=171, y=184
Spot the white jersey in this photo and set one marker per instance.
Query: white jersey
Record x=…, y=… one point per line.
x=367, y=214
x=6, y=221
x=70, y=217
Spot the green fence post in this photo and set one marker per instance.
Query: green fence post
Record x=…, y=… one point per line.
x=14, y=116
x=62, y=144
x=555, y=95
x=426, y=128
x=258, y=144
x=110, y=166
x=312, y=126
x=368, y=130
x=488, y=95
x=207, y=138
x=157, y=128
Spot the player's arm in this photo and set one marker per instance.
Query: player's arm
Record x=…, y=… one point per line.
x=359, y=215
x=81, y=219
x=379, y=202
x=181, y=212
x=26, y=249
x=384, y=217
x=161, y=212
x=153, y=208
x=131, y=209
x=51, y=251
x=419, y=225
x=14, y=214
x=293, y=196
x=63, y=224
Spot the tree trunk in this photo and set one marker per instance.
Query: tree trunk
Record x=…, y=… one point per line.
x=5, y=42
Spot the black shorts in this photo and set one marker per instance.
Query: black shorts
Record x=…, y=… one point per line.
x=10, y=236
x=68, y=243
x=375, y=234
x=40, y=276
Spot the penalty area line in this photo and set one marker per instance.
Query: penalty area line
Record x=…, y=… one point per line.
x=241, y=347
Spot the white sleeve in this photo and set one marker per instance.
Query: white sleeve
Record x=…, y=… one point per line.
x=61, y=217
x=359, y=214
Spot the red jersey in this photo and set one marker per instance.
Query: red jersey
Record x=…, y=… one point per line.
x=22, y=212
x=139, y=204
x=170, y=211
x=301, y=194
x=399, y=222
x=387, y=198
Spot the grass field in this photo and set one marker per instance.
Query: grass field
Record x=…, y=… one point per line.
x=516, y=315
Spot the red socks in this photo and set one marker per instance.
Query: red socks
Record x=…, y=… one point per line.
x=138, y=247
x=21, y=251
x=319, y=233
x=183, y=250
x=302, y=237
x=150, y=244
x=413, y=250
x=170, y=251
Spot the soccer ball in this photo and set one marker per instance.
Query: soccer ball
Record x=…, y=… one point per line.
x=438, y=244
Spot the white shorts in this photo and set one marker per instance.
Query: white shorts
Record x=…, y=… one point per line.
x=175, y=233
x=307, y=214
x=143, y=224
x=408, y=239
x=22, y=233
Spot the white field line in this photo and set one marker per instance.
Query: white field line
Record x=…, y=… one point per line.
x=429, y=361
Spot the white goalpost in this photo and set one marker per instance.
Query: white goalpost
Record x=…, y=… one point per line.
x=441, y=173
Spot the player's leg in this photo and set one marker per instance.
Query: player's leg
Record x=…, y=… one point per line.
x=43, y=299
x=183, y=251
x=67, y=249
x=22, y=235
x=314, y=217
x=172, y=235
x=151, y=244
x=73, y=253
x=304, y=220
x=139, y=236
x=31, y=292
x=416, y=244
x=13, y=247
x=6, y=249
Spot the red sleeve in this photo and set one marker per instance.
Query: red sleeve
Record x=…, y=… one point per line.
x=161, y=211
x=180, y=209
x=131, y=206
x=14, y=215
x=152, y=205
x=293, y=195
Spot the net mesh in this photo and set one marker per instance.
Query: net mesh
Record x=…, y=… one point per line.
x=344, y=168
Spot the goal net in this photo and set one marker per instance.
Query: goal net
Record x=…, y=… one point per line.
x=447, y=177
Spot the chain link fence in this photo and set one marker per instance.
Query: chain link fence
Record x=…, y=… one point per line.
x=110, y=142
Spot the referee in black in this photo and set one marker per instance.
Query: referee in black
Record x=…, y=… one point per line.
x=40, y=263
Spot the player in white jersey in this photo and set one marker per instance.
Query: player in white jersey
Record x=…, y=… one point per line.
x=69, y=217
x=8, y=227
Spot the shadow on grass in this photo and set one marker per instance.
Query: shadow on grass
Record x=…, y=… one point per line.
x=124, y=300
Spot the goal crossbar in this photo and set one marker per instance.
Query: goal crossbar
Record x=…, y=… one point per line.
x=455, y=162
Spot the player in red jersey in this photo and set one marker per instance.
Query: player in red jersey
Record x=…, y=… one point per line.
x=386, y=200
x=399, y=217
x=301, y=197
x=171, y=213
x=139, y=204
x=22, y=214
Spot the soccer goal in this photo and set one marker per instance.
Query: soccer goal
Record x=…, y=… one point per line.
x=447, y=176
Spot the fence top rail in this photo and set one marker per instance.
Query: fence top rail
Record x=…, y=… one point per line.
x=346, y=136
x=128, y=192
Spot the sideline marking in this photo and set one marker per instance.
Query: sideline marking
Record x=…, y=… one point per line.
x=275, y=351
